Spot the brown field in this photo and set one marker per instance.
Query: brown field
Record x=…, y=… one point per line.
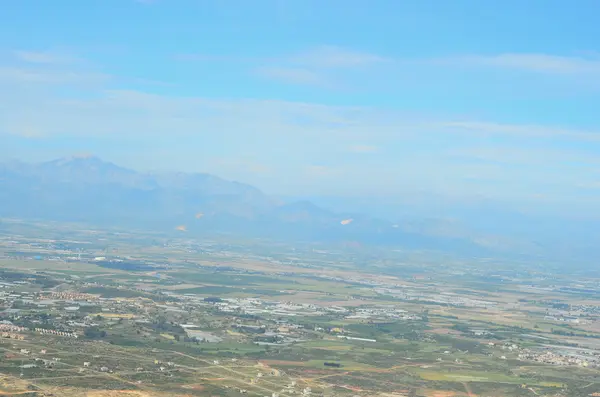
x=118, y=393
x=282, y=362
x=196, y=386
x=439, y=393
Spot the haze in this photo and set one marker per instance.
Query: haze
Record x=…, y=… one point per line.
x=463, y=110
x=300, y=198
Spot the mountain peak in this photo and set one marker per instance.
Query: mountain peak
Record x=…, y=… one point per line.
x=90, y=170
x=76, y=158
x=84, y=156
x=83, y=161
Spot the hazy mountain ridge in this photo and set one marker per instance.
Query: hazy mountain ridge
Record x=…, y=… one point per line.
x=88, y=189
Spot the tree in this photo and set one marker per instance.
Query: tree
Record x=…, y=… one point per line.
x=94, y=333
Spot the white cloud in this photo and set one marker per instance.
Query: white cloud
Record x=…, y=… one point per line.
x=44, y=57
x=547, y=157
x=29, y=75
x=105, y=110
x=539, y=63
x=292, y=75
x=519, y=130
x=592, y=185
x=362, y=148
x=293, y=147
x=334, y=57
x=250, y=165
x=339, y=65
x=320, y=171
x=49, y=68
x=321, y=57
x=318, y=66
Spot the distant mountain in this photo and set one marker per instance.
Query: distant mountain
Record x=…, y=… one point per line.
x=88, y=189
x=494, y=225
x=90, y=170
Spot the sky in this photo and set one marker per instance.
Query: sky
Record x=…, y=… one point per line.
x=461, y=100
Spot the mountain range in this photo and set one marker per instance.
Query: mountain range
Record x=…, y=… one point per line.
x=90, y=190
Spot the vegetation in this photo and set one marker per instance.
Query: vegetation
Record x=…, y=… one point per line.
x=188, y=319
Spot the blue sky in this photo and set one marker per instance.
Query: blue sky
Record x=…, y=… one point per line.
x=459, y=99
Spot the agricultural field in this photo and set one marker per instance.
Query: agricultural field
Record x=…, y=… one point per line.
x=92, y=312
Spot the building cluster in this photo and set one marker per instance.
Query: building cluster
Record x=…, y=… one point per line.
x=270, y=309
x=566, y=319
x=69, y=296
x=257, y=306
x=45, y=331
x=7, y=326
x=7, y=297
x=416, y=295
x=11, y=335
x=558, y=358
x=11, y=331
x=585, y=309
x=555, y=355
x=382, y=313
